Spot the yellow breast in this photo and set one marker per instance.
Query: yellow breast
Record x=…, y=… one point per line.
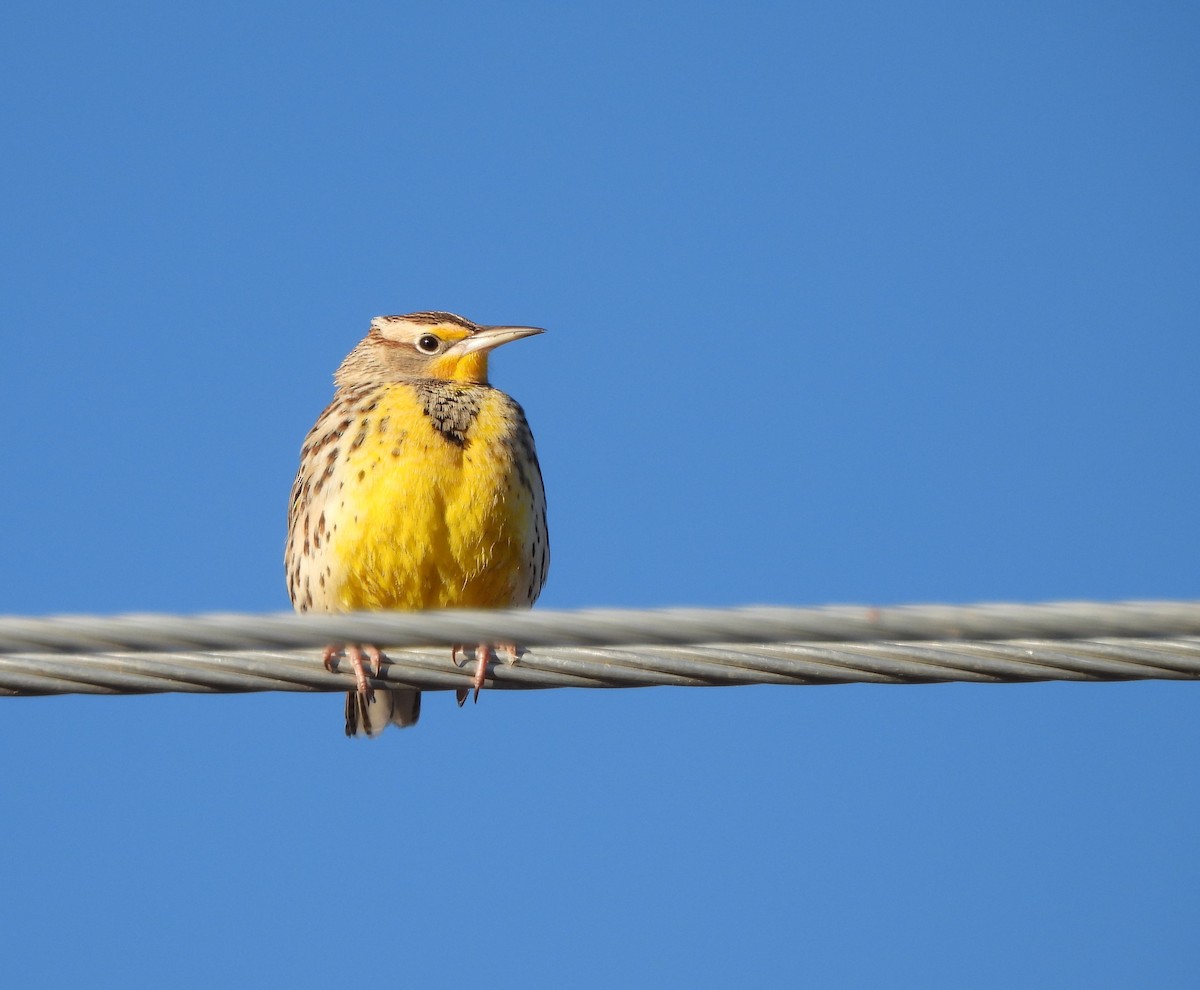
x=435, y=509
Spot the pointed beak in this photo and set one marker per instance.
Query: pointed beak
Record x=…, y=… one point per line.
x=487, y=338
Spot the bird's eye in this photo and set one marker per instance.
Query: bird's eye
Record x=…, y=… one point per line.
x=429, y=344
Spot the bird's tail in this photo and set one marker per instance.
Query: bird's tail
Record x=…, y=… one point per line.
x=393, y=706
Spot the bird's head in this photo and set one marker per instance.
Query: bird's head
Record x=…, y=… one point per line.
x=424, y=345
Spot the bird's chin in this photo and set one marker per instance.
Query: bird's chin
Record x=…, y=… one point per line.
x=469, y=367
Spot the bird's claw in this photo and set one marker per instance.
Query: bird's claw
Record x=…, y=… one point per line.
x=358, y=657
x=483, y=653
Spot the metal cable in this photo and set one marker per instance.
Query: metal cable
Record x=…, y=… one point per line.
x=1086, y=641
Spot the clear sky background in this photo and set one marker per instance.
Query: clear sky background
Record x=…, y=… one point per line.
x=848, y=303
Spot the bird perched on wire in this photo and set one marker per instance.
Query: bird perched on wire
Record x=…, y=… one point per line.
x=419, y=487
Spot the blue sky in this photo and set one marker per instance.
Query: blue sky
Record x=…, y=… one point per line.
x=868, y=303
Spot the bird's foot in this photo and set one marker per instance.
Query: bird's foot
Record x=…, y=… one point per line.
x=358, y=657
x=483, y=653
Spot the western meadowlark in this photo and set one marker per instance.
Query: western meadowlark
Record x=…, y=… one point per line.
x=419, y=487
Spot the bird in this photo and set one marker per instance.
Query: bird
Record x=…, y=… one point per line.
x=418, y=488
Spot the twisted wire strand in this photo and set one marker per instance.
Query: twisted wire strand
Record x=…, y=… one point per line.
x=990, y=643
